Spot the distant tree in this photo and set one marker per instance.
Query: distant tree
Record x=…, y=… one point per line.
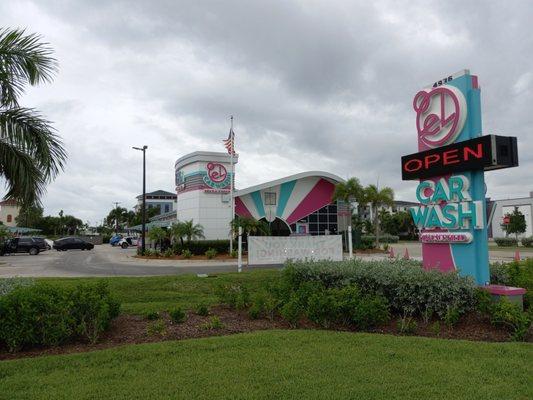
x=4, y=232
x=193, y=231
x=31, y=154
x=135, y=218
x=71, y=225
x=377, y=198
x=517, y=223
x=116, y=218
x=29, y=216
x=157, y=235
x=349, y=192
x=250, y=226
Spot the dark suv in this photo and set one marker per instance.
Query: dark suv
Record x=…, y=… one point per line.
x=30, y=245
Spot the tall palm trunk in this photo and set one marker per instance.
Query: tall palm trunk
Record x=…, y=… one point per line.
x=376, y=225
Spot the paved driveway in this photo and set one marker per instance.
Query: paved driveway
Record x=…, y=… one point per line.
x=103, y=260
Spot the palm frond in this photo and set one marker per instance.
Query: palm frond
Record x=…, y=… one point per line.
x=24, y=59
x=23, y=178
x=25, y=130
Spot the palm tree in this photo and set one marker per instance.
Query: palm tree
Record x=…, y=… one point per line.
x=157, y=235
x=192, y=231
x=250, y=226
x=177, y=231
x=348, y=192
x=377, y=198
x=31, y=154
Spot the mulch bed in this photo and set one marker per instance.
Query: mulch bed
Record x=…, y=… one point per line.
x=132, y=329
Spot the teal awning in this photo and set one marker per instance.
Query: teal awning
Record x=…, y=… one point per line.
x=21, y=229
x=150, y=225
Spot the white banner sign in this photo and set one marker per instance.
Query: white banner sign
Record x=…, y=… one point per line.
x=278, y=249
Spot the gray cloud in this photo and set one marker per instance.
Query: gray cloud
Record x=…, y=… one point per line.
x=313, y=85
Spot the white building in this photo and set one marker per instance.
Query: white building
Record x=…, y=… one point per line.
x=203, y=181
x=497, y=210
x=161, y=199
x=9, y=210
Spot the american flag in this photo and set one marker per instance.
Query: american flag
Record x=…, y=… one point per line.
x=229, y=143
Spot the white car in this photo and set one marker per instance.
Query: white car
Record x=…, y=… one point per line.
x=128, y=241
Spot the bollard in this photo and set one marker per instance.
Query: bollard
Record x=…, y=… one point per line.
x=239, y=251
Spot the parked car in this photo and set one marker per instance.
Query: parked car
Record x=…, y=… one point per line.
x=71, y=243
x=128, y=241
x=115, y=239
x=30, y=245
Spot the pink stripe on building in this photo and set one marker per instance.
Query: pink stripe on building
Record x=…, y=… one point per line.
x=317, y=198
x=240, y=209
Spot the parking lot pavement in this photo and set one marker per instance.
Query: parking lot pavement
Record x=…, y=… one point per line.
x=103, y=260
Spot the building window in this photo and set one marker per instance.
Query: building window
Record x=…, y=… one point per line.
x=9, y=218
x=167, y=208
x=270, y=198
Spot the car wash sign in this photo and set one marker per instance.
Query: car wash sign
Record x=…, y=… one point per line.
x=450, y=163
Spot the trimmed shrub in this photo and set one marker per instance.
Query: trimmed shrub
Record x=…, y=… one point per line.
x=385, y=238
x=370, y=312
x=93, y=308
x=405, y=285
x=7, y=285
x=210, y=253
x=234, y=296
x=35, y=315
x=156, y=328
x=199, y=247
x=177, y=315
x=506, y=242
x=186, y=254
x=519, y=274
x=202, y=310
x=511, y=316
x=48, y=315
x=527, y=241
x=152, y=315
x=168, y=253
x=213, y=324
x=292, y=311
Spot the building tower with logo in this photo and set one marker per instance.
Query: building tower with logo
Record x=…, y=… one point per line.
x=203, y=182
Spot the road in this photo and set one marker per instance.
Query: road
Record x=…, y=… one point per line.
x=105, y=260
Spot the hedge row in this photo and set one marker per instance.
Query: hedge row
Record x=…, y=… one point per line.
x=201, y=246
x=408, y=288
x=386, y=238
x=47, y=315
x=506, y=241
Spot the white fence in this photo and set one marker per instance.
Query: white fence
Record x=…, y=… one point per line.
x=278, y=249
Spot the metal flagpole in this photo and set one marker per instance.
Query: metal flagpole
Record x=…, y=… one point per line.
x=232, y=216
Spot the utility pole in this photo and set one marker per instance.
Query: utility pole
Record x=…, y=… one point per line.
x=143, y=234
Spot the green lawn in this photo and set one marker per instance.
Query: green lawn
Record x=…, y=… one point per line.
x=139, y=295
x=280, y=364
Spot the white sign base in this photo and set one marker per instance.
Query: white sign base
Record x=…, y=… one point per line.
x=278, y=249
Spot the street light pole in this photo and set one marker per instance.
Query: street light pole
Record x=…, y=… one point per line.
x=143, y=234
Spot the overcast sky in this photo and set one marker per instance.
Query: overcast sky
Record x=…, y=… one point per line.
x=313, y=85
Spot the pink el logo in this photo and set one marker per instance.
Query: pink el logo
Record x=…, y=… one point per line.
x=440, y=115
x=216, y=172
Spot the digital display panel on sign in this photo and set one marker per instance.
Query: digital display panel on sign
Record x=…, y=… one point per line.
x=488, y=152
